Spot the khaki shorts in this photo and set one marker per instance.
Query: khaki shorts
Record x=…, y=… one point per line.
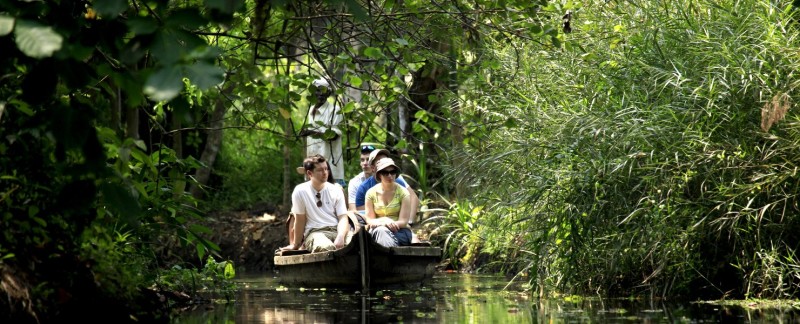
x=321, y=239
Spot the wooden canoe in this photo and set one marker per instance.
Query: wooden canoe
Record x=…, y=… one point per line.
x=362, y=263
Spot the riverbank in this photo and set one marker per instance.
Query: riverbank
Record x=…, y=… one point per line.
x=248, y=238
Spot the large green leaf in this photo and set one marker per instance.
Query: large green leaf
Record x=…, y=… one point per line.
x=164, y=84
x=6, y=25
x=356, y=81
x=204, y=75
x=36, y=40
x=373, y=52
x=166, y=47
x=109, y=9
x=142, y=25
x=189, y=18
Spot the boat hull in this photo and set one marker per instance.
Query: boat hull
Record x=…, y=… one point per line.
x=403, y=266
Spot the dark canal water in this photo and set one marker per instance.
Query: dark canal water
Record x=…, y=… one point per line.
x=456, y=298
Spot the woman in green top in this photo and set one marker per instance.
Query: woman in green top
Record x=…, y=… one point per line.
x=388, y=205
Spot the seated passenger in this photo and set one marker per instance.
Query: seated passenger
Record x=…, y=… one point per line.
x=321, y=222
x=370, y=182
x=388, y=206
x=366, y=172
x=291, y=219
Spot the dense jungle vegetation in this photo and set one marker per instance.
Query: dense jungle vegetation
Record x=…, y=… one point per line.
x=587, y=147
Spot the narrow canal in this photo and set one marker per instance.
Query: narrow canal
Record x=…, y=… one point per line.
x=456, y=298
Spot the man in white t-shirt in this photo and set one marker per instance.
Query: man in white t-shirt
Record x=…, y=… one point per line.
x=321, y=222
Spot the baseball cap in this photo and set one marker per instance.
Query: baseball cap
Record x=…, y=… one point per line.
x=375, y=153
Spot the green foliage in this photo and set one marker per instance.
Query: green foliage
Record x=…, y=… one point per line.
x=215, y=279
x=118, y=260
x=251, y=171
x=459, y=227
x=771, y=273
x=81, y=199
x=470, y=236
x=640, y=157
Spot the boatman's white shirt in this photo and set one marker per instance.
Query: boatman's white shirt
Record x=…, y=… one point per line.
x=328, y=117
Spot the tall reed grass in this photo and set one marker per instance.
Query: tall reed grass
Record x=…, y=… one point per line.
x=655, y=153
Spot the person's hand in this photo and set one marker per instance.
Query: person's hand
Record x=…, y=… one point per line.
x=393, y=227
x=339, y=242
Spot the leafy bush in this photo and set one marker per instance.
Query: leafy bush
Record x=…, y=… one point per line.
x=213, y=280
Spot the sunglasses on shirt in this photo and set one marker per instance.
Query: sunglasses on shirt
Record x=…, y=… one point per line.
x=319, y=200
x=367, y=149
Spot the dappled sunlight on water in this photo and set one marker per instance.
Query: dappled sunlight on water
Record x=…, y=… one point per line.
x=454, y=298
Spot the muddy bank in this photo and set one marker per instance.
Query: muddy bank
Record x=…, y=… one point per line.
x=247, y=238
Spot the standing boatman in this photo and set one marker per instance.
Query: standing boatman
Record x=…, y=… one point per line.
x=322, y=132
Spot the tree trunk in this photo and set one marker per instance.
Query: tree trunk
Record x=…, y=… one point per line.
x=116, y=109
x=287, y=169
x=132, y=122
x=177, y=145
x=213, y=143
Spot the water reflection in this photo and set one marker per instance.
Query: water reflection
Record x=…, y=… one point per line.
x=447, y=298
x=455, y=298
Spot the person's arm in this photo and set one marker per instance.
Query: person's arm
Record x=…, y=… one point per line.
x=296, y=241
x=329, y=121
x=337, y=119
x=413, y=204
x=351, y=195
x=369, y=215
x=361, y=194
x=403, y=218
x=299, y=211
x=414, y=199
x=341, y=231
x=343, y=227
x=308, y=128
x=344, y=196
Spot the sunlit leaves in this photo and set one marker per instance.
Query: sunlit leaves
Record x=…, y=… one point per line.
x=355, y=81
x=349, y=107
x=229, y=271
x=36, y=40
x=373, y=52
x=6, y=24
